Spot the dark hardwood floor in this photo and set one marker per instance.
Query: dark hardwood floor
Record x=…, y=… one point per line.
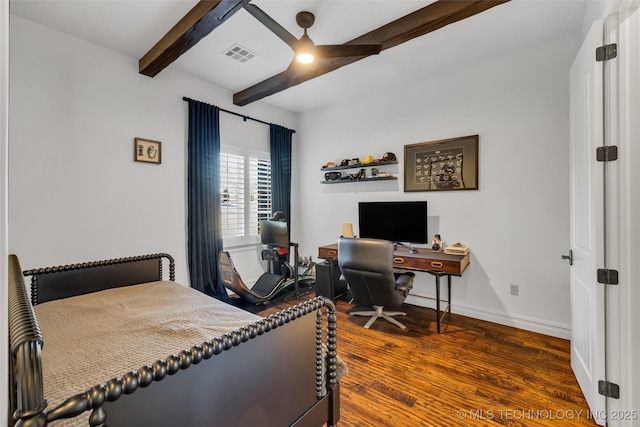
x=475, y=373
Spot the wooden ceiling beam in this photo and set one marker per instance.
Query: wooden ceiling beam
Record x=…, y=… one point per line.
x=425, y=20
x=205, y=16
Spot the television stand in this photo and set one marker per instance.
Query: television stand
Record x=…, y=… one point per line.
x=412, y=250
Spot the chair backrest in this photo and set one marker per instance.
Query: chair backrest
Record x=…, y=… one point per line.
x=367, y=265
x=231, y=279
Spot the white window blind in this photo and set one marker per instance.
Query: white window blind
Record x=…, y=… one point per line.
x=232, y=194
x=245, y=188
x=260, y=187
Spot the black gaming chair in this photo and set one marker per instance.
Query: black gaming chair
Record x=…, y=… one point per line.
x=367, y=265
x=266, y=287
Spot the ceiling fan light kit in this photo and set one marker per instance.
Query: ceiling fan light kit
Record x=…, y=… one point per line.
x=305, y=49
x=305, y=58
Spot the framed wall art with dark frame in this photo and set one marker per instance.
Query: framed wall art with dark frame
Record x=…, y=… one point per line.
x=146, y=150
x=444, y=165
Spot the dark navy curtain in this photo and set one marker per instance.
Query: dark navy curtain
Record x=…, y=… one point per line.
x=280, y=147
x=281, y=170
x=204, y=237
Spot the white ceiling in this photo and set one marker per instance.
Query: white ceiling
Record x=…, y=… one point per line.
x=132, y=27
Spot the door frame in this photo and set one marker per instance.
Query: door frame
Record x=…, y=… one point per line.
x=622, y=233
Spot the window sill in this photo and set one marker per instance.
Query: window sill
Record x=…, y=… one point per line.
x=239, y=244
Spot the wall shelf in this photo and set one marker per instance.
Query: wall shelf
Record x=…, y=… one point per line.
x=344, y=181
x=358, y=166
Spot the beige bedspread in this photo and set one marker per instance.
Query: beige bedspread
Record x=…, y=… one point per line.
x=129, y=319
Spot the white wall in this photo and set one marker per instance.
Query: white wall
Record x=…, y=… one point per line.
x=76, y=194
x=598, y=9
x=516, y=225
x=4, y=133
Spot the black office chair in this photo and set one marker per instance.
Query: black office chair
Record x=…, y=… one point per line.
x=367, y=265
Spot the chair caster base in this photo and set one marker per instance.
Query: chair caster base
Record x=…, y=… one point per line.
x=380, y=313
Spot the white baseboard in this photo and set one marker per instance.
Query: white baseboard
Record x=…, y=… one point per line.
x=502, y=318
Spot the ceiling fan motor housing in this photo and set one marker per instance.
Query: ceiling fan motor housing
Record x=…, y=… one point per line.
x=305, y=19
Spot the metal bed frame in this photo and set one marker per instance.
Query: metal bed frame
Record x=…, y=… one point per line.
x=257, y=375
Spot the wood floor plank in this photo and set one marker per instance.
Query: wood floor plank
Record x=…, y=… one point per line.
x=475, y=373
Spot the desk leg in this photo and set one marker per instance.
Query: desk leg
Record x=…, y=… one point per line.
x=449, y=292
x=438, y=302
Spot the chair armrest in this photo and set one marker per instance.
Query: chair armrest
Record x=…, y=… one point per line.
x=404, y=281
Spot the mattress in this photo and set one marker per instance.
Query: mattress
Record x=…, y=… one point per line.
x=89, y=339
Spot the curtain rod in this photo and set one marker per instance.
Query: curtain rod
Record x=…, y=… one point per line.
x=245, y=118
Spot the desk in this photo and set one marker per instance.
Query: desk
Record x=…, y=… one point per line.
x=436, y=263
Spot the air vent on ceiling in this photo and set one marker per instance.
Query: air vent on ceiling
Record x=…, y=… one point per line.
x=239, y=53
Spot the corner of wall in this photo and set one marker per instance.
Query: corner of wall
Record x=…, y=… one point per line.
x=597, y=10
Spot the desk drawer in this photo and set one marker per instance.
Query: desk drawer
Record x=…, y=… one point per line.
x=328, y=252
x=423, y=263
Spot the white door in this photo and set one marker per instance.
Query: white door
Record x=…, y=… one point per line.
x=586, y=211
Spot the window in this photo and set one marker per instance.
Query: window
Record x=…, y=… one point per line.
x=260, y=187
x=245, y=189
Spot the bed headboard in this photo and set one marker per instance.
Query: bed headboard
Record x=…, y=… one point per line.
x=64, y=281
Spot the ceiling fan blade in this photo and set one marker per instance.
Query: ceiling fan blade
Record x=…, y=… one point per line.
x=272, y=25
x=295, y=74
x=339, y=50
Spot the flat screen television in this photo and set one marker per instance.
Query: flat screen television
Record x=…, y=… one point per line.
x=395, y=221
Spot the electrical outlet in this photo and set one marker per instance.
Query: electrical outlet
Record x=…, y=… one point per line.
x=515, y=290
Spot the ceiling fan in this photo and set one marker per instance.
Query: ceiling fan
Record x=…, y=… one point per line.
x=208, y=15
x=305, y=49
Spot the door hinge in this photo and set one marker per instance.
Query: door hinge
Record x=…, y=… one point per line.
x=609, y=389
x=606, y=52
x=607, y=277
x=608, y=153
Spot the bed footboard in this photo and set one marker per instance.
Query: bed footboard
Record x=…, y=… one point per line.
x=26, y=400
x=250, y=381
x=274, y=372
